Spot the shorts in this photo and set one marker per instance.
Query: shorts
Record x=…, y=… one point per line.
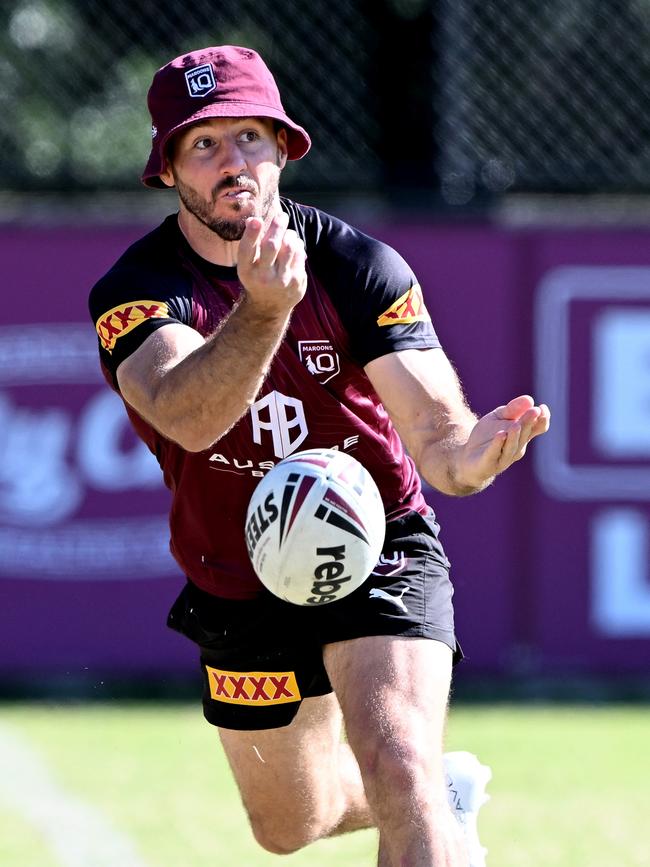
x=261, y=657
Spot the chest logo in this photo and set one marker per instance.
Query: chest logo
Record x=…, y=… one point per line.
x=284, y=419
x=408, y=308
x=320, y=359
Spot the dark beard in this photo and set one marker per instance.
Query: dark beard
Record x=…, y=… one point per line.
x=227, y=230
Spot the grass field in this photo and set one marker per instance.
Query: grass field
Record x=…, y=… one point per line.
x=570, y=789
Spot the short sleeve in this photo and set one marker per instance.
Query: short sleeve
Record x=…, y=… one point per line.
x=391, y=314
x=129, y=304
x=375, y=292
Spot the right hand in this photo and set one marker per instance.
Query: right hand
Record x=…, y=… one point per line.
x=271, y=265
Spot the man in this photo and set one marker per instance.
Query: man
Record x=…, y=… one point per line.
x=243, y=328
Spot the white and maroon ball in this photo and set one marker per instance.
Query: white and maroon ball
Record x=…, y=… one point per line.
x=315, y=527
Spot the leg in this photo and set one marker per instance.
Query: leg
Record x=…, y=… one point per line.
x=298, y=783
x=393, y=693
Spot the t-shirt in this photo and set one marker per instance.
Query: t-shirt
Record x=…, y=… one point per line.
x=362, y=301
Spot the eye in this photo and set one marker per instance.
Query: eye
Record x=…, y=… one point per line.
x=248, y=136
x=203, y=143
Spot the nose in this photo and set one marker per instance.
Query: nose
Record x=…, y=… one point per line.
x=232, y=160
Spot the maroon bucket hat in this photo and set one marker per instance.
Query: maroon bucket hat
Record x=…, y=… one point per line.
x=223, y=81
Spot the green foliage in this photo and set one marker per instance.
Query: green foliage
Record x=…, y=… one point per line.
x=74, y=112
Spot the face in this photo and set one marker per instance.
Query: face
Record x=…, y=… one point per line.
x=227, y=169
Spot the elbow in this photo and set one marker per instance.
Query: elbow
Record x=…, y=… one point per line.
x=196, y=434
x=188, y=438
x=191, y=431
x=194, y=428
x=194, y=446
x=182, y=431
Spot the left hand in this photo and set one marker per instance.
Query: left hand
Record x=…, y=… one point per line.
x=498, y=439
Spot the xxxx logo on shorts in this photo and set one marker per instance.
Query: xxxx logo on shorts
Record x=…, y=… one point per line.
x=409, y=307
x=124, y=318
x=253, y=688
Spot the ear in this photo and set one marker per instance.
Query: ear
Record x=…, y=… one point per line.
x=282, y=147
x=167, y=176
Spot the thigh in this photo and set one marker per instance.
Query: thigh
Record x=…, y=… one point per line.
x=409, y=592
x=288, y=771
x=393, y=692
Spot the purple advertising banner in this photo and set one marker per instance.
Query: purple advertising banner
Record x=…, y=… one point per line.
x=550, y=564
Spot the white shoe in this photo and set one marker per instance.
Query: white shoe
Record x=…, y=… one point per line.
x=466, y=782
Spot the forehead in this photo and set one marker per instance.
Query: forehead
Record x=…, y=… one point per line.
x=222, y=125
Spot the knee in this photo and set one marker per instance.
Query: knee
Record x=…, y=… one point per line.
x=281, y=838
x=398, y=768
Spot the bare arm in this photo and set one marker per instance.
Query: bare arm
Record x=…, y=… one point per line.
x=455, y=451
x=194, y=390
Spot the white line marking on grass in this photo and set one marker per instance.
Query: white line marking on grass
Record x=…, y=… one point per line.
x=78, y=834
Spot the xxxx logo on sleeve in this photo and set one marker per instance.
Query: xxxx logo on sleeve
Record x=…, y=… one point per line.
x=124, y=318
x=409, y=307
x=253, y=688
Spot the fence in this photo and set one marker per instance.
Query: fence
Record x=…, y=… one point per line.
x=454, y=100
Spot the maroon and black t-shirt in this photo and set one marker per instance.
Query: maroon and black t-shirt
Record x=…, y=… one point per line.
x=362, y=302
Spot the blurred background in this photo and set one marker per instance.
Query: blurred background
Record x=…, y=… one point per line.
x=503, y=148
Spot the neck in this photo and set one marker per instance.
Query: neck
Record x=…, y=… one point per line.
x=207, y=243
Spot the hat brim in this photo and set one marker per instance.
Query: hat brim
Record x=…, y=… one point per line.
x=298, y=141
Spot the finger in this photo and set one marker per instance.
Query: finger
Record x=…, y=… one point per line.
x=539, y=426
x=542, y=424
x=515, y=408
x=509, y=445
x=528, y=421
x=291, y=272
x=512, y=445
x=546, y=414
x=272, y=241
x=521, y=433
x=291, y=255
x=535, y=421
x=493, y=452
x=249, y=245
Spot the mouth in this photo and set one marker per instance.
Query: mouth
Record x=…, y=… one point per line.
x=237, y=194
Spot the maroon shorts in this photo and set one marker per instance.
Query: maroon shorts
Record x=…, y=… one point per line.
x=261, y=657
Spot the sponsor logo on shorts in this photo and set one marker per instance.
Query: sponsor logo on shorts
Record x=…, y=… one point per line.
x=390, y=564
x=320, y=359
x=200, y=80
x=408, y=308
x=124, y=318
x=253, y=688
x=378, y=593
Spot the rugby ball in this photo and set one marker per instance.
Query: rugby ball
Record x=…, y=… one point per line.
x=315, y=527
